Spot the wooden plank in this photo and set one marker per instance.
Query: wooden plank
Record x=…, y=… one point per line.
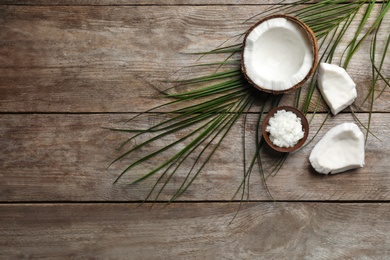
x=58, y=157
x=196, y=231
x=142, y=2
x=109, y=58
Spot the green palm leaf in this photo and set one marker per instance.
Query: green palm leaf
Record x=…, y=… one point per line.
x=212, y=104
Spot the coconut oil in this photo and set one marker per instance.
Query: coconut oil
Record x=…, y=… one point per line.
x=285, y=129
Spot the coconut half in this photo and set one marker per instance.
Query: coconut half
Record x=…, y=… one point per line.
x=279, y=54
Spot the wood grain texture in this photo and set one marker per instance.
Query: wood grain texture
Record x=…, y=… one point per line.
x=111, y=58
x=65, y=158
x=69, y=68
x=142, y=2
x=195, y=231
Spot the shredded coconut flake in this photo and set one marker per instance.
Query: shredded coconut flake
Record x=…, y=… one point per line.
x=285, y=129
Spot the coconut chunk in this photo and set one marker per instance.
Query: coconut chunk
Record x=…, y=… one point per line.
x=279, y=54
x=336, y=86
x=341, y=149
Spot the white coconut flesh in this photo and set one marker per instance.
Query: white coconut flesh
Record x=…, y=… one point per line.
x=336, y=86
x=278, y=54
x=341, y=149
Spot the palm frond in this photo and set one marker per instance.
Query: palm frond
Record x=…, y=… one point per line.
x=209, y=106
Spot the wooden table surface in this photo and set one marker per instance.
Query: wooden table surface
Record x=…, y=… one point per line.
x=69, y=69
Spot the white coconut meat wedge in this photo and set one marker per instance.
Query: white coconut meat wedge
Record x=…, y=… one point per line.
x=336, y=87
x=279, y=54
x=341, y=149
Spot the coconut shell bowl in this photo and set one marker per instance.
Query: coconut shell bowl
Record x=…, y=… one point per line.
x=305, y=128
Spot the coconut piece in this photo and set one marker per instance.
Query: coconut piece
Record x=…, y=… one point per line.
x=279, y=54
x=336, y=86
x=341, y=149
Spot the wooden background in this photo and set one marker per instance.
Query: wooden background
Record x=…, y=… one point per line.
x=70, y=68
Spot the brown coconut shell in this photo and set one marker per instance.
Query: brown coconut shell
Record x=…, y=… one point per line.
x=305, y=128
x=311, y=38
